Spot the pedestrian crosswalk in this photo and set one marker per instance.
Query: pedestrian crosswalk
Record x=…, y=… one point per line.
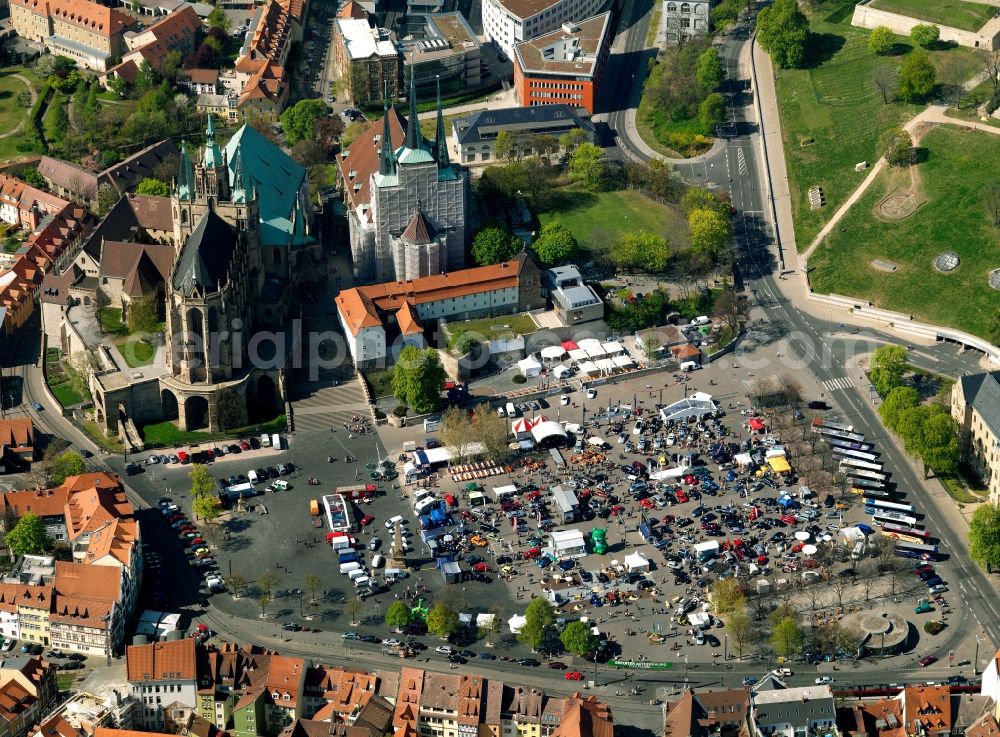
x=841, y=382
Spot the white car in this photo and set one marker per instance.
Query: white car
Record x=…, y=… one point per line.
x=393, y=521
x=591, y=393
x=671, y=439
x=823, y=679
x=564, y=400
x=390, y=642
x=444, y=649
x=8, y=645
x=639, y=427
x=215, y=582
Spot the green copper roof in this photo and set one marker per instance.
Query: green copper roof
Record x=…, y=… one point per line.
x=420, y=155
x=277, y=179
x=212, y=158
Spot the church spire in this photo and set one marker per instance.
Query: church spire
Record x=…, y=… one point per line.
x=413, y=124
x=185, y=179
x=241, y=192
x=387, y=159
x=440, y=141
x=212, y=158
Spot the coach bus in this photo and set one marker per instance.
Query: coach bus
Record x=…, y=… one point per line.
x=854, y=463
x=881, y=517
x=890, y=506
x=850, y=445
x=860, y=473
x=916, y=550
x=904, y=532
x=858, y=455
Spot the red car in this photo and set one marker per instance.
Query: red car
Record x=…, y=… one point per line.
x=366, y=520
x=646, y=503
x=194, y=542
x=557, y=665
x=533, y=553
x=244, y=445
x=668, y=519
x=616, y=510
x=927, y=660
x=788, y=519
x=573, y=675
x=532, y=495
x=482, y=568
x=682, y=497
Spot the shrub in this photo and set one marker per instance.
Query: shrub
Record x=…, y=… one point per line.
x=379, y=414
x=933, y=627
x=400, y=410
x=518, y=379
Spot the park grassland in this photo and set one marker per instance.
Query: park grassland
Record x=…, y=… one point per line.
x=953, y=219
x=597, y=219
x=955, y=13
x=832, y=114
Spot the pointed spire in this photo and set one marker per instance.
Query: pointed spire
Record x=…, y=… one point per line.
x=387, y=159
x=440, y=140
x=212, y=158
x=413, y=124
x=240, y=189
x=210, y=130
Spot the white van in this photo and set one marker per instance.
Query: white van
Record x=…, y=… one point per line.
x=511, y=410
x=265, y=440
x=425, y=505
x=348, y=567
x=276, y=441
x=690, y=366
x=361, y=582
x=252, y=475
x=501, y=412
x=421, y=494
x=378, y=561
x=356, y=574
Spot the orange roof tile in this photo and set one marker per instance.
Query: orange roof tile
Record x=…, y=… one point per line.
x=158, y=660
x=17, y=432
x=360, y=160
x=88, y=15
x=90, y=582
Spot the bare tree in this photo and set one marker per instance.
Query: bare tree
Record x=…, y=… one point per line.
x=885, y=80
x=991, y=198
x=991, y=62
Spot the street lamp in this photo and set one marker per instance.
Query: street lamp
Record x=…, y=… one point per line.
x=975, y=662
x=725, y=647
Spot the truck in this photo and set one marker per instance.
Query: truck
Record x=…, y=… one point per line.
x=237, y=491
x=347, y=556
x=314, y=507
x=358, y=492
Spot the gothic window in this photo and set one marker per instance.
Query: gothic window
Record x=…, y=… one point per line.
x=184, y=216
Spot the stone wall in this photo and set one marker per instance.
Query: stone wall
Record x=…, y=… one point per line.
x=865, y=16
x=141, y=400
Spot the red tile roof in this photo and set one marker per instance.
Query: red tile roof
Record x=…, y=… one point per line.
x=176, y=660
x=360, y=160
x=88, y=15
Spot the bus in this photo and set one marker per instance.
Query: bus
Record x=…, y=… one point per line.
x=903, y=532
x=853, y=437
x=854, y=463
x=851, y=445
x=873, y=485
x=819, y=425
x=860, y=473
x=881, y=517
x=916, y=550
x=891, y=506
x=859, y=455
x=870, y=493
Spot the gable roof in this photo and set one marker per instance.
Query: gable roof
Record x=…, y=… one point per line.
x=360, y=160
x=982, y=392
x=90, y=16
x=94, y=583
x=43, y=502
x=205, y=258
x=17, y=432
x=173, y=660
x=928, y=705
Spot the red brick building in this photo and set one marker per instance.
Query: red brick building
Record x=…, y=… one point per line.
x=565, y=66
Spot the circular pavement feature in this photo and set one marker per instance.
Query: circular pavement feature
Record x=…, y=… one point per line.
x=947, y=261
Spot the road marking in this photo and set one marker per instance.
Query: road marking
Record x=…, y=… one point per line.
x=742, y=161
x=842, y=382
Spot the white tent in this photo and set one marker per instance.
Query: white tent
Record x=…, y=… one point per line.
x=588, y=367
x=669, y=473
x=547, y=429
x=742, y=459
x=636, y=561
x=595, y=440
x=623, y=361
x=516, y=623
x=560, y=371
x=568, y=544
x=502, y=492
x=613, y=348
x=578, y=354
x=553, y=352
x=605, y=365
x=530, y=366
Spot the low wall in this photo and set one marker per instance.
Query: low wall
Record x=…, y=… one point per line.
x=865, y=16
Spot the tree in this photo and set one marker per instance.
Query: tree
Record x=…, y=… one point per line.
x=202, y=482
x=698, y=198
x=417, y=378
x=329, y=131
x=740, y=628
x=881, y=41
x=28, y=536
x=298, y=121
x=730, y=307
x=643, y=250
x=984, y=536
x=398, y=615
x=442, y=621
x=917, y=77
x=263, y=600
x=712, y=111
x=457, y=433
x=309, y=153
x=709, y=232
x=925, y=35
x=783, y=31
x=571, y=139
x=353, y=608
x=787, y=637
x=886, y=80
x=930, y=433
x=991, y=198
x=577, y=638
x=207, y=507
x=727, y=12
x=351, y=133
x=65, y=465
x=888, y=363
x=727, y=596
x=231, y=411
x=711, y=73
x=555, y=244
x=106, y=198
x=236, y=583
x=218, y=19
x=897, y=148
x=312, y=583
x=991, y=62
x=267, y=581
x=538, y=617
x=494, y=243
x=503, y=146
x=146, y=77
x=586, y=166
x=141, y=316
x=901, y=398
x=491, y=430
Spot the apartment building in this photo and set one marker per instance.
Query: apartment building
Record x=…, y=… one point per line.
x=368, y=61
x=27, y=691
x=509, y=22
x=162, y=675
x=176, y=32
x=975, y=405
x=89, y=33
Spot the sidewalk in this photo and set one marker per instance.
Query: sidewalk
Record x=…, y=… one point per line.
x=502, y=99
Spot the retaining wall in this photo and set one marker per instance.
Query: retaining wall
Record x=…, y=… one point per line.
x=865, y=16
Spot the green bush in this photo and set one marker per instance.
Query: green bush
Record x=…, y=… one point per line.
x=518, y=379
x=400, y=410
x=933, y=627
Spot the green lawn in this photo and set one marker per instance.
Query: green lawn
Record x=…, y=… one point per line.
x=111, y=321
x=12, y=112
x=110, y=443
x=954, y=13
x=492, y=327
x=832, y=114
x=137, y=352
x=953, y=218
x=380, y=382
x=66, y=395
x=598, y=218
x=167, y=433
